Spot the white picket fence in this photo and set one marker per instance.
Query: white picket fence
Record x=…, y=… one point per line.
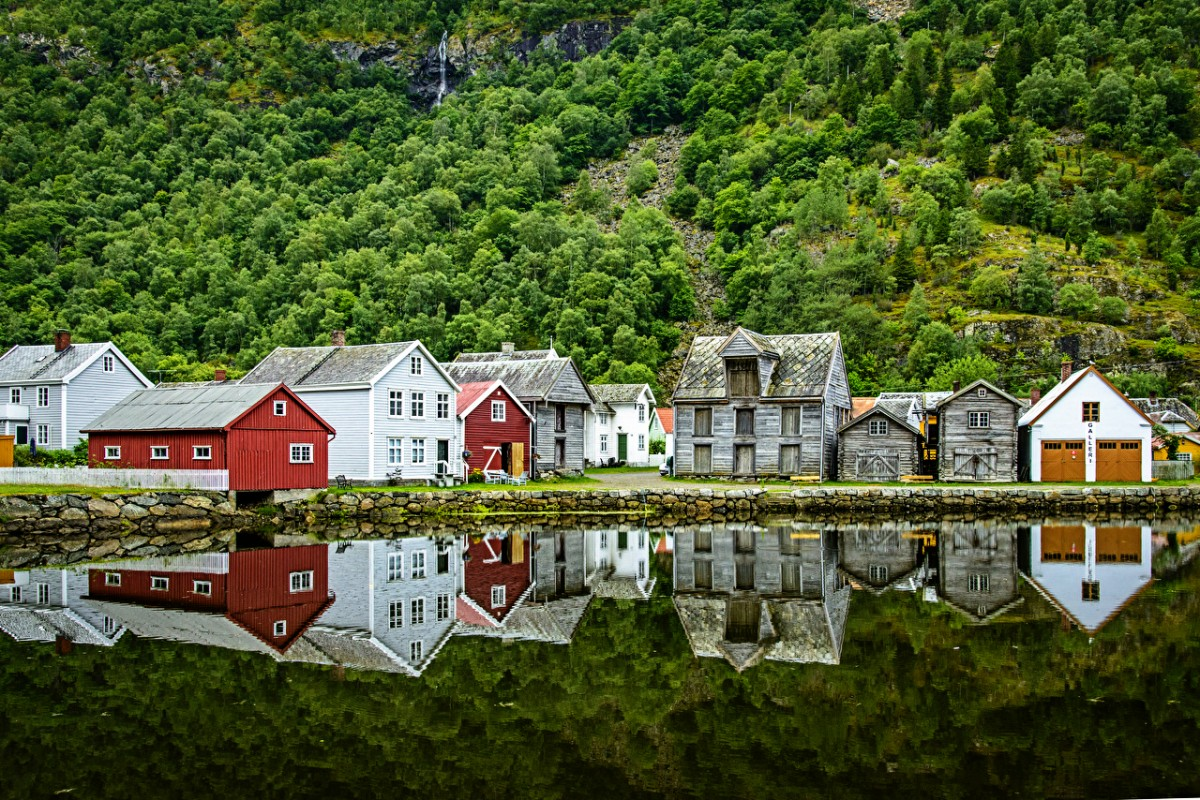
x=207, y=479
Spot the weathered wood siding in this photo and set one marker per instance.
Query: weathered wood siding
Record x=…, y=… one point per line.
x=767, y=438
x=991, y=452
x=975, y=550
x=861, y=549
x=856, y=440
x=90, y=394
x=837, y=397
x=569, y=388
x=573, y=436
x=560, y=551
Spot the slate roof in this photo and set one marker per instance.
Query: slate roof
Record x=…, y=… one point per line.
x=528, y=379
x=554, y=621
x=348, y=649
x=804, y=364
x=926, y=401
x=623, y=588
x=985, y=384
x=515, y=355
x=168, y=408
x=1167, y=404
x=40, y=362
x=39, y=624
x=618, y=392
x=327, y=366
x=896, y=410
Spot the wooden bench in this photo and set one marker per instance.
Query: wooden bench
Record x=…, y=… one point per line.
x=916, y=478
x=805, y=478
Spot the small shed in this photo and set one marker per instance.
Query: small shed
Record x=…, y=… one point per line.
x=881, y=445
x=978, y=434
x=264, y=436
x=495, y=427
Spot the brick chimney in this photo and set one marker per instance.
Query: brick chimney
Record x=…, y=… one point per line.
x=1153, y=397
x=1035, y=394
x=957, y=386
x=1067, y=368
x=337, y=338
x=507, y=347
x=219, y=375
x=62, y=340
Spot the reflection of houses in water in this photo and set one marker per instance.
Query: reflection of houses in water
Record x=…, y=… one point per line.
x=749, y=593
x=977, y=572
x=255, y=601
x=44, y=605
x=619, y=563
x=1090, y=573
x=878, y=557
x=395, y=606
x=497, y=578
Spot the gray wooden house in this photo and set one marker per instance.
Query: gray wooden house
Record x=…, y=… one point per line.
x=879, y=557
x=977, y=572
x=977, y=433
x=551, y=387
x=881, y=444
x=754, y=405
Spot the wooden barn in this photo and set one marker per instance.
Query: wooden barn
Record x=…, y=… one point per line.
x=977, y=432
x=880, y=445
x=265, y=437
x=495, y=428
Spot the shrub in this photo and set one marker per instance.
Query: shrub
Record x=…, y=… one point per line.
x=641, y=177
x=1113, y=310
x=1077, y=300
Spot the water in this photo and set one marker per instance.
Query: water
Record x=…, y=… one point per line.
x=441, y=92
x=778, y=659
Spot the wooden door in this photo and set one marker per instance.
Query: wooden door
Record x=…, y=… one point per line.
x=560, y=453
x=622, y=446
x=1063, y=461
x=702, y=459
x=879, y=466
x=743, y=459
x=789, y=459
x=742, y=619
x=516, y=458
x=1119, y=545
x=1119, y=461
x=978, y=466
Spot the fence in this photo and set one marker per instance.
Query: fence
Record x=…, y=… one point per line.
x=206, y=479
x=1172, y=470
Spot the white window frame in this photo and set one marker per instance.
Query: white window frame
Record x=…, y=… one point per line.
x=416, y=651
x=202, y=452
x=14, y=594
x=499, y=411
x=110, y=624
x=1183, y=456
x=156, y=449
x=877, y=427
x=301, y=453
x=108, y=363
x=300, y=581
x=981, y=392
x=443, y=405
x=395, y=451
x=602, y=418
x=641, y=441
x=280, y=628
x=396, y=614
x=418, y=451
x=604, y=443
x=418, y=565
x=43, y=594
x=160, y=583
x=43, y=435
x=878, y=572
x=979, y=419
x=112, y=453
x=396, y=403
x=416, y=611
x=202, y=588
x=112, y=579
x=395, y=566
x=442, y=612
x=416, y=405
x=14, y=396
x=417, y=366
x=43, y=397
x=980, y=583
x=641, y=412
x=279, y=407
x=499, y=595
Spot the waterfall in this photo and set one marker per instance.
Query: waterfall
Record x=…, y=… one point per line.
x=441, y=69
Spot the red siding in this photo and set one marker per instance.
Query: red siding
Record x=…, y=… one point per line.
x=262, y=578
x=262, y=416
x=135, y=588
x=135, y=449
x=479, y=577
x=480, y=433
x=261, y=460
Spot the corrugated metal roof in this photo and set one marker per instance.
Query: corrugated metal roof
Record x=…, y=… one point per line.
x=40, y=362
x=618, y=392
x=326, y=366
x=168, y=408
x=804, y=364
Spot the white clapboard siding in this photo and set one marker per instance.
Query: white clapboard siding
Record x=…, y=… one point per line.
x=210, y=479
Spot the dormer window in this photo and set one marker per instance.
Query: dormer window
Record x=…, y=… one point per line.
x=743, y=377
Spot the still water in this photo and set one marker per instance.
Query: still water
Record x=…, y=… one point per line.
x=769, y=659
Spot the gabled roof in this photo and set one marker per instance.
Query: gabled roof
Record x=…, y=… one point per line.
x=884, y=409
x=619, y=587
x=532, y=379
x=514, y=355
x=356, y=365
x=757, y=342
x=620, y=392
x=41, y=363
x=1170, y=405
x=553, y=621
x=861, y=405
x=666, y=418
x=805, y=363
x=472, y=394
x=972, y=387
x=27, y=623
x=925, y=401
x=215, y=407
x=1064, y=387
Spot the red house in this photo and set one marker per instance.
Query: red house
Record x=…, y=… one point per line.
x=274, y=596
x=495, y=428
x=496, y=577
x=264, y=437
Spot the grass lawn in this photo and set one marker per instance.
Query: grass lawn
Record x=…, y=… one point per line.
x=621, y=470
x=7, y=490
x=552, y=483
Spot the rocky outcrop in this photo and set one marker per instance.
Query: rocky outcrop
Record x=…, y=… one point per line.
x=55, y=52
x=162, y=74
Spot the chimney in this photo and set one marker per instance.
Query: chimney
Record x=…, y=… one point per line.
x=1153, y=397
x=1035, y=394
x=337, y=338
x=62, y=340
x=957, y=386
x=1068, y=367
x=219, y=375
x=506, y=347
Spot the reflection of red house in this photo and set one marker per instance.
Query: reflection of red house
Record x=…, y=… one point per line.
x=263, y=436
x=496, y=578
x=275, y=595
x=495, y=427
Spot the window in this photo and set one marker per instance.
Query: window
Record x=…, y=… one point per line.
x=302, y=581
x=979, y=583
x=418, y=365
x=702, y=424
x=395, y=566
x=498, y=593
x=416, y=405
x=43, y=400
x=108, y=363
x=43, y=434
x=603, y=417
x=202, y=587
x=982, y=392
x=443, y=405
x=395, y=402
x=302, y=454
x=877, y=427
x=15, y=396
x=498, y=411
x=443, y=562
x=979, y=419
x=416, y=651
x=159, y=583
x=280, y=627
x=641, y=412
x=417, y=564
x=703, y=542
x=743, y=377
x=202, y=453
x=1091, y=591
x=443, y=607
x=790, y=422
x=280, y=408
x=641, y=570
x=112, y=453
x=641, y=441
x=416, y=611
x=418, y=451
x=1183, y=456
x=878, y=573
x=560, y=417
x=395, y=451
x=110, y=625
x=43, y=593
x=604, y=443
x=603, y=540
x=112, y=579
x=744, y=421
x=1091, y=412
x=159, y=453
x=702, y=459
x=396, y=614
x=14, y=594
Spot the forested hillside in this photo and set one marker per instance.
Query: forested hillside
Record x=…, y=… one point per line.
x=972, y=189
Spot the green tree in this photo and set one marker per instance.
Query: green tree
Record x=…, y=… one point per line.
x=964, y=371
x=991, y=288
x=1035, y=290
x=935, y=344
x=1077, y=300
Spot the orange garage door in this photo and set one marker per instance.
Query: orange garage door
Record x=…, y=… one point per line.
x=1118, y=461
x=1063, y=461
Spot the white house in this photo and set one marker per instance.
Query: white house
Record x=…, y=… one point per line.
x=619, y=425
x=49, y=392
x=1085, y=429
x=619, y=563
x=393, y=406
x=42, y=604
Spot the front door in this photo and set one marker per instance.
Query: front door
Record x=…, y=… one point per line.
x=883, y=465
x=443, y=456
x=743, y=459
x=1063, y=461
x=622, y=446
x=1119, y=461
x=560, y=453
x=22, y=434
